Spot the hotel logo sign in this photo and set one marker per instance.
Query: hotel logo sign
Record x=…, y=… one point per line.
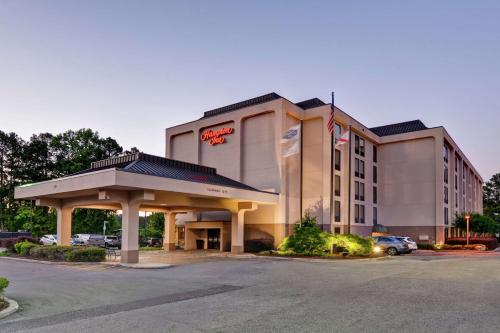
x=216, y=137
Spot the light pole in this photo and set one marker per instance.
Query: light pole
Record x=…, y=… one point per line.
x=104, y=228
x=467, y=219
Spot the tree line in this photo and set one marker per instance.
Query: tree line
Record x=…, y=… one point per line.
x=46, y=156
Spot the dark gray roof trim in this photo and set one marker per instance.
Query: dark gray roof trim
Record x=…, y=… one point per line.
x=310, y=103
x=399, y=128
x=164, y=167
x=249, y=102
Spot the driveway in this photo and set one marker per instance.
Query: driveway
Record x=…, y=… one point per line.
x=402, y=294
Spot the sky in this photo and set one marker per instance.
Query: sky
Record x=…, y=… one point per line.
x=130, y=69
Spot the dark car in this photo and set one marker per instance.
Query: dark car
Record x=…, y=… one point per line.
x=390, y=245
x=96, y=240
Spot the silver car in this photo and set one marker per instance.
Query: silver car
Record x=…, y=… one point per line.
x=390, y=245
x=412, y=245
x=96, y=240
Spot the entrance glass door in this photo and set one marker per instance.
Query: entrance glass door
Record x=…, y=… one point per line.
x=213, y=236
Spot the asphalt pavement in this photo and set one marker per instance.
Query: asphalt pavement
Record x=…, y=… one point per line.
x=401, y=294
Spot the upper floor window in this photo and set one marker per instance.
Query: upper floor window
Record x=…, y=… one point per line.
x=445, y=195
x=337, y=159
x=456, y=164
x=337, y=185
x=359, y=145
x=359, y=191
x=446, y=220
x=375, y=217
x=359, y=214
x=375, y=199
x=456, y=182
x=375, y=154
x=446, y=174
x=374, y=174
x=359, y=168
x=446, y=153
x=338, y=131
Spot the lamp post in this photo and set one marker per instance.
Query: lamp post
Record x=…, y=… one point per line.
x=104, y=228
x=467, y=219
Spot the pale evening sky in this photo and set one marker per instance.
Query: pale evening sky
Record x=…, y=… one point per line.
x=129, y=69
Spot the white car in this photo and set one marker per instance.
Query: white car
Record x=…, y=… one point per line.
x=49, y=240
x=81, y=239
x=412, y=245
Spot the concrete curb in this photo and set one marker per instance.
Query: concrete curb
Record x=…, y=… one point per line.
x=323, y=260
x=146, y=266
x=13, y=307
x=45, y=262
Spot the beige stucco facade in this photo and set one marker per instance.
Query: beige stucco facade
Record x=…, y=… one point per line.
x=409, y=182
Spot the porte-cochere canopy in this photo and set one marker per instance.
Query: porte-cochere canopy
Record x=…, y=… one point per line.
x=145, y=182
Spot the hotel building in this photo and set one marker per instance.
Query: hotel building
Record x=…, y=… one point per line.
x=227, y=179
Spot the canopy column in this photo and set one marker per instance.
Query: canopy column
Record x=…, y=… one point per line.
x=169, y=233
x=238, y=226
x=64, y=220
x=130, y=233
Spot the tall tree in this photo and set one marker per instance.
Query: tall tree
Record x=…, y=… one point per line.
x=491, y=197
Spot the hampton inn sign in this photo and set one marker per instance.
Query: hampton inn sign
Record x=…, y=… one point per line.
x=216, y=137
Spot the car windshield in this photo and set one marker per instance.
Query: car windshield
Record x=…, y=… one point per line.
x=111, y=237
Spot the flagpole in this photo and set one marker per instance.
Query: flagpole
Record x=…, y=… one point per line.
x=349, y=199
x=301, y=168
x=332, y=170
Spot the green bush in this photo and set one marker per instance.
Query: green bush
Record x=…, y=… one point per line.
x=23, y=248
x=86, y=254
x=4, y=283
x=50, y=252
x=425, y=246
x=352, y=244
x=310, y=240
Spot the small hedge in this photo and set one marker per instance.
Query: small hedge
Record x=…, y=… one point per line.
x=9, y=243
x=50, y=252
x=4, y=283
x=89, y=254
x=309, y=240
x=23, y=248
x=491, y=243
x=448, y=247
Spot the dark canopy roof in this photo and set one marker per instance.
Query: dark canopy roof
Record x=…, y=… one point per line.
x=399, y=128
x=164, y=167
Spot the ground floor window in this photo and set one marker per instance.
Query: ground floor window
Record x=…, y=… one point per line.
x=375, y=222
x=337, y=211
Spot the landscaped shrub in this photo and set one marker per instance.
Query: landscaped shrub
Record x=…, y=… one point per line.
x=491, y=243
x=425, y=246
x=310, y=240
x=258, y=245
x=354, y=245
x=307, y=239
x=4, y=283
x=50, y=252
x=23, y=248
x=9, y=243
x=86, y=254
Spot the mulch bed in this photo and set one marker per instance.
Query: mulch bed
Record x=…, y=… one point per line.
x=334, y=257
x=3, y=304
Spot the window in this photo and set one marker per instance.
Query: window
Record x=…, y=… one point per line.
x=456, y=200
x=338, y=131
x=456, y=182
x=359, y=191
x=337, y=211
x=446, y=174
x=337, y=230
x=446, y=215
x=337, y=159
x=359, y=168
x=356, y=190
x=456, y=164
x=375, y=221
x=375, y=194
x=359, y=145
x=445, y=195
x=445, y=154
x=359, y=214
x=374, y=154
x=337, y=185
x=375, y=174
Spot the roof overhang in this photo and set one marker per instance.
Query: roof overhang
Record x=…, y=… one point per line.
x=115, y=179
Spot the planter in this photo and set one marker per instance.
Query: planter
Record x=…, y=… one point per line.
x=11, y=308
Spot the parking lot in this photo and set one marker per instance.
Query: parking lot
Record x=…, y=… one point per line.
x=416, y=293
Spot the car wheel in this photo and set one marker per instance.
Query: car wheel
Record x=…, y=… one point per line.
x=392, y=251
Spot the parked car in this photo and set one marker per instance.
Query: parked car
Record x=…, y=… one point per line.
x=8, y=234
x=412, y=245
x=80, y=239
x=390, y=245
x=112, y=241
x=49, y=240
x=96, y=240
